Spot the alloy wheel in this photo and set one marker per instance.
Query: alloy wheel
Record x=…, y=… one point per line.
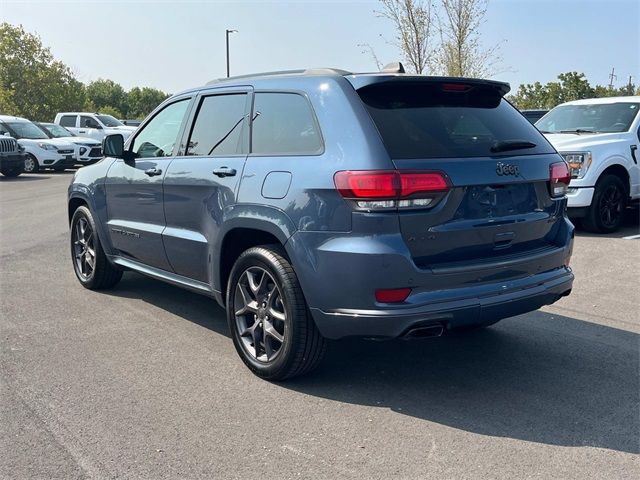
x=84, y=252
x=611, y=206
x=260, y=314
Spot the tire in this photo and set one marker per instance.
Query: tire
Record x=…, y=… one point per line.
x=31, y=164
x=11, y=173
x=102, y=274
x=263, y=273
x=606, y=213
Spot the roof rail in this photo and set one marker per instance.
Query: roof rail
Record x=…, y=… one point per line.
x=309, y=71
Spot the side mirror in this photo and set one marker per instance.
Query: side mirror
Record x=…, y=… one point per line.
x=97, y=126
x=113, y=145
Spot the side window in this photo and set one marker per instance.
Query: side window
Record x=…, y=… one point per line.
x=283, y=123
x=68, y=121
x=88, y=122
x=219, y=128
x=158, y=137
x=638, y=134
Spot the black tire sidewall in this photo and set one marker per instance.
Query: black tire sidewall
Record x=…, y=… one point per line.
x=593, y=221
x=260, y=257
x=84, y=212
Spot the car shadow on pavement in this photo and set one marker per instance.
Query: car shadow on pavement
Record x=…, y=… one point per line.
x=537, y=377
x=199, y=309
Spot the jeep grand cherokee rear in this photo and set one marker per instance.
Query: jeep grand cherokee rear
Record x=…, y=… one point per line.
x=467, y=225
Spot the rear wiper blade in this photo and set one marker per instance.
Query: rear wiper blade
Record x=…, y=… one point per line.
x=578, y=131
x=506, y=145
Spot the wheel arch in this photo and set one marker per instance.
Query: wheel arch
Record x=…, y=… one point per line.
x=619, y=171
x=246, y=227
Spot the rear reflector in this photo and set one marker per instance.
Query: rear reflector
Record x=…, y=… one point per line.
x=392, y=295
x=559, y=179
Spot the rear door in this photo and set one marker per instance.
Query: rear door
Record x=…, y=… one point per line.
x=203, y=179
x=134, y=188
x=497, y=163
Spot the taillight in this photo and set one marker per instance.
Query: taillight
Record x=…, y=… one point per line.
x=559, y=178
x=390, y=189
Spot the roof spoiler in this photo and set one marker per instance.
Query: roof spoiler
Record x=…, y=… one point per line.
x=361, y=81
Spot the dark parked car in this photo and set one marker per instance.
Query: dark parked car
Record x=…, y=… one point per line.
x=534, y=115
x=323, y=204
x=11, y=155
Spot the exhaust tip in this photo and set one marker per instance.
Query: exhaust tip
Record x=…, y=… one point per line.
x=427, y=331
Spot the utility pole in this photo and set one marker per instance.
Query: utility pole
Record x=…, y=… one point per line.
x=227, y=35
x=612, y=77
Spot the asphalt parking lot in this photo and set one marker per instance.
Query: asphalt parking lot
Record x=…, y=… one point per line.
x=143, y=381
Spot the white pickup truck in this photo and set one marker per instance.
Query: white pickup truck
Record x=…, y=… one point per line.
x=599, y=138
x=92, y=125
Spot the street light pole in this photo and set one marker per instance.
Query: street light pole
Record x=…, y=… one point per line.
x=228, y=32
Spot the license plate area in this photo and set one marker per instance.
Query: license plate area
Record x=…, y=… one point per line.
x=496, y=201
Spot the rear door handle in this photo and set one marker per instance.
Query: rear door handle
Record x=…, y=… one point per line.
x=82, y=131
x=224, y=172
x=152, y=172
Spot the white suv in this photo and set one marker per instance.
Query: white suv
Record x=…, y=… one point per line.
x=599, y=138
x=41, y=151
x=93, y=125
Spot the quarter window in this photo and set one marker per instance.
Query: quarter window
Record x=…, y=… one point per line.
x=158, y=137
x=283, y=123
x=68, y=121
x=220, y=126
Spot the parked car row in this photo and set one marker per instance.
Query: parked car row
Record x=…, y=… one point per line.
x=73, y=139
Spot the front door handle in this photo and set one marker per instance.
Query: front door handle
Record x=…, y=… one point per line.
x=152, y=172
x=224, y=172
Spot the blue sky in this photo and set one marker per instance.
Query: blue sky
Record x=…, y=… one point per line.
x=175, y=45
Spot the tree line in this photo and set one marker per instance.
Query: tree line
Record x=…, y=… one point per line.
x=33, y=84
x=570, y=86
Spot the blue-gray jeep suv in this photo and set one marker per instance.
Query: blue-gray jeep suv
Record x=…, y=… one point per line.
x=321, y=204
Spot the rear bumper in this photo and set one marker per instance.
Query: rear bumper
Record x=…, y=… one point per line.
x=339, y=273
x=507, y=300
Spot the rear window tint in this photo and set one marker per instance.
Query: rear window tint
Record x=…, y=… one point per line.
x=420, y=120
x=283, y=123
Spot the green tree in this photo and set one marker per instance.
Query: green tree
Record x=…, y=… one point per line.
x=107, y=94
x=571, y=86
x=32, y=83
x=141, y=101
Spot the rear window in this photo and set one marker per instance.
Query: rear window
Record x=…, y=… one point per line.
x=421, y=120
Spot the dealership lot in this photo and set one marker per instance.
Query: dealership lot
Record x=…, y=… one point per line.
x=143, y=381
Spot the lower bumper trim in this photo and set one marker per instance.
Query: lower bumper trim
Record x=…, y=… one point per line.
x=451, y=314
